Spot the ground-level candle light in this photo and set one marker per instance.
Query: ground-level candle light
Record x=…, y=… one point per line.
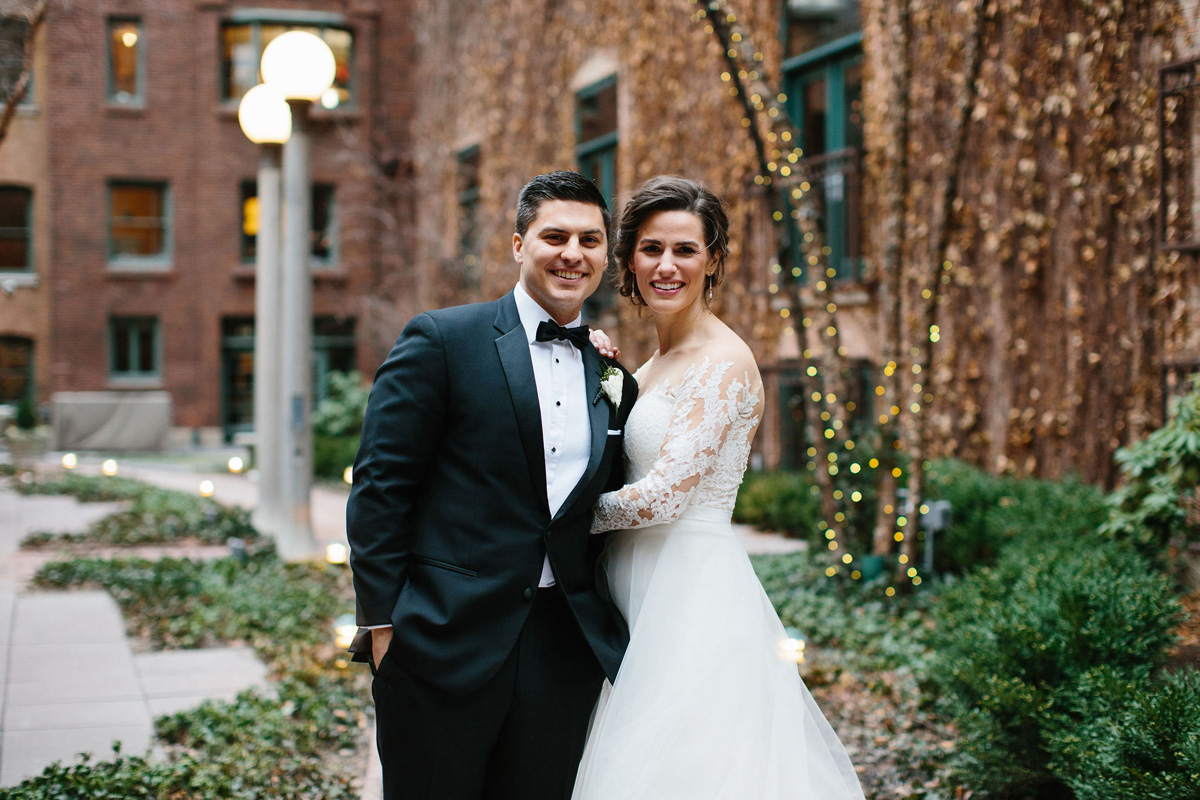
x=206, y=488
x=344, y=629
x=348, y=475
x=337, y=553
x=109, y=467
x=792, y=648
x=69, y=461
x=236, y=464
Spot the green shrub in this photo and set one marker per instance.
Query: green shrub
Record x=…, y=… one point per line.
x=341, y=412
x=991, y=512
x=1015, y=643
x=778, y=501
x=26, y=416
x=1161, y=476
x=332, y=454
x=1135, y=740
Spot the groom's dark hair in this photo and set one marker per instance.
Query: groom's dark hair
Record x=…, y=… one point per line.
x=560, y=185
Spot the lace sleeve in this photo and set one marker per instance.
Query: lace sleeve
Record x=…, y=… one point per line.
x=706, y=406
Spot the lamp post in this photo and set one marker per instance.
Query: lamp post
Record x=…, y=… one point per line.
x=301, y=67
x=266, y=120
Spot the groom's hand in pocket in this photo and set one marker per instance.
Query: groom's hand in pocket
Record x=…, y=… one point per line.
x=381, y=639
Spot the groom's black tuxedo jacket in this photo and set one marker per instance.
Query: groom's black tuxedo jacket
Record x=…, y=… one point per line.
x=448, y=519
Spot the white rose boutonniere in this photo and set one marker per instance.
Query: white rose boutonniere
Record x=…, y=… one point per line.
x=611, y=383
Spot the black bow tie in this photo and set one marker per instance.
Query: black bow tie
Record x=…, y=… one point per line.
x=549, y=330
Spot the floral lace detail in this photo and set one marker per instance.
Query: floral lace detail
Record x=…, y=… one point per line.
x=684, y=445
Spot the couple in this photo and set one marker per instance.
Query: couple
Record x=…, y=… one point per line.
x=520, y=651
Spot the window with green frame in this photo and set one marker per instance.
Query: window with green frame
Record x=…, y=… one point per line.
x=824, y=101
x=139, y=233
x=596, y=132
x=597, y=135
x=135, y=347
x=16, y=229
x=243, y=40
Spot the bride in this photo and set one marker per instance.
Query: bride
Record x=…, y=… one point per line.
x=705, y=706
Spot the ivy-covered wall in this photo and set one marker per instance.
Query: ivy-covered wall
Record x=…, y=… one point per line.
x=1056, y=311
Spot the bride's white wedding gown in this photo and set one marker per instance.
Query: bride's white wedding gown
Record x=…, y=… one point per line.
x=705, y=706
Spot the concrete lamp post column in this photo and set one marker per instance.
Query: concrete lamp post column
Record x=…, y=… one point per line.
x=266, y=120
x=300, y=66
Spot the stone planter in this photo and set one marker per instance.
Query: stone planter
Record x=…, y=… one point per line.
x=27, y=447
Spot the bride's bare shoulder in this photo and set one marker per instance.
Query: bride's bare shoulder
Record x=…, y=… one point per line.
x=728, y=347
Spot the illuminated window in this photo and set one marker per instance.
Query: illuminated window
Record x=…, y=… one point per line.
x=323, y=235
x=126, y=62
x=140, y=224
x=242, y=45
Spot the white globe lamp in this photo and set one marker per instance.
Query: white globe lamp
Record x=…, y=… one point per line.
x=299, y=64
x=265, y=116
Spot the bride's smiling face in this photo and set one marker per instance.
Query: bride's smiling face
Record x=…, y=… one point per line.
x=670, y=261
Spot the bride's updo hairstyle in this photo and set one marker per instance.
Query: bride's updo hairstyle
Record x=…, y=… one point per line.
x=671, y=193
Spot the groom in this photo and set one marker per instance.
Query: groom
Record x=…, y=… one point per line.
x=488, y=437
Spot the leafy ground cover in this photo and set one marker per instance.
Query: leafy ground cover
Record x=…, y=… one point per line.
x=153, y=516
x=301, y=741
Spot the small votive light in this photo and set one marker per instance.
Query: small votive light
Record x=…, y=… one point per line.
x=206, y=488
x=792, y=648
x=236, y=464
x=109, y=467
x=69, y=461
x=344, y=629
x=337, y=553
x=348, y=475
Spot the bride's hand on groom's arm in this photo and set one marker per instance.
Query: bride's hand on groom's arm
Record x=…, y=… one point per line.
x=604, y=344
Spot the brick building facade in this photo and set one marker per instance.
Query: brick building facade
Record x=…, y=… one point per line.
x=142, y=275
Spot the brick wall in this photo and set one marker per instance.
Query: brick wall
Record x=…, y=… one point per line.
x=185, y=135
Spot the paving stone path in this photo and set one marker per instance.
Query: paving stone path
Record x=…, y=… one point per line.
x=69, y=680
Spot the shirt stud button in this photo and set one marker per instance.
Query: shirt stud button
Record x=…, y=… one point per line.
x=553, y=449
x=558, y=402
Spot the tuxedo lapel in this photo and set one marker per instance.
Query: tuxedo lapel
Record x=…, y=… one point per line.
x=599, y=417
x=513, y=348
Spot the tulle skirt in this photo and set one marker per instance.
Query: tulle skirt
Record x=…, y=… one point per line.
x=707, y=705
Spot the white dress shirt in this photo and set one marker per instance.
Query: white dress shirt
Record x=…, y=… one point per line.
x=562, y=395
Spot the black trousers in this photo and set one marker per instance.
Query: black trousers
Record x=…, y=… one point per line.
x=518, y=737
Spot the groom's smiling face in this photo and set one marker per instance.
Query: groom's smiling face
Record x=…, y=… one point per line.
x=562, y=256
